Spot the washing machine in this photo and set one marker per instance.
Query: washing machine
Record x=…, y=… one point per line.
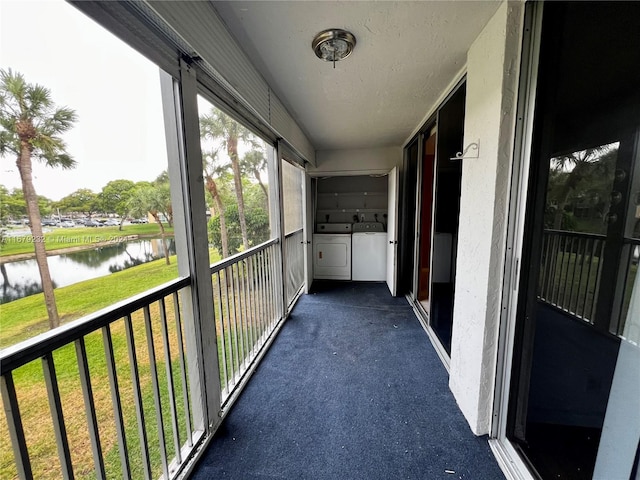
x=332, y=251
x=369, y=258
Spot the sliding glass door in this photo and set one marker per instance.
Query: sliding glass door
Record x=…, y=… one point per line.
x=429, y=216
x=574, y=408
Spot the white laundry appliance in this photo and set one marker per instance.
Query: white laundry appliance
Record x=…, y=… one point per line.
x=369, y=247
x=332, y=251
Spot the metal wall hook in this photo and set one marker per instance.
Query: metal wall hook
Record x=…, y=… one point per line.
x=463, y=155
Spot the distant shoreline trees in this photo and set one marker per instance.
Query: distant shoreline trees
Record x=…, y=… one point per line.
x=153, y=199
x=115, y=198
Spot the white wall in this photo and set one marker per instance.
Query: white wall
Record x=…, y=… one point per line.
x=492, y=75
x=361, y=161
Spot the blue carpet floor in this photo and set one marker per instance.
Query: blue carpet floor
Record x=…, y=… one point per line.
x=350, y=389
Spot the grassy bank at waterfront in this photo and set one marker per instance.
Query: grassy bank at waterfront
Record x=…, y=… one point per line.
x=24, y=318
x=27, y=317
x=60, y=238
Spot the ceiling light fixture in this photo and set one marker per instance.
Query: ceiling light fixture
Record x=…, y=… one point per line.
x=333, y=45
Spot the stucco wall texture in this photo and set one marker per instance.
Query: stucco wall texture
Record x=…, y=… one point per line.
x=492, y=78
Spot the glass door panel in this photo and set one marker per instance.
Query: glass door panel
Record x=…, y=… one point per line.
x=407, y=220
x=576, y=329
x=448, y=183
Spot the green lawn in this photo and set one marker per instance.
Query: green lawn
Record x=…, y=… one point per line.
x=26, y=317
x=34, y=409
x=76, y=237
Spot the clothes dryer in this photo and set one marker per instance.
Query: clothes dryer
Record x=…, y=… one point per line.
x=332, y=252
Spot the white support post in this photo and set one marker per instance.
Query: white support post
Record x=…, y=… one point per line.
x=283, y=249
x=277, y=213
x=308, y=224
x=492, y=84
x=190, y=226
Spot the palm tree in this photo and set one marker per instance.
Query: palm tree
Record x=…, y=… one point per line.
x=31, y=125
x=211, y=170
x=219, y=126
x=162, y=182
x=254, y=163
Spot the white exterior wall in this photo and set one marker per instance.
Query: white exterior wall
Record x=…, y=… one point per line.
x=361, y=161
x=492, y=75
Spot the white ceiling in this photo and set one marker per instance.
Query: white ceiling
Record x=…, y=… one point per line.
x=406, y=55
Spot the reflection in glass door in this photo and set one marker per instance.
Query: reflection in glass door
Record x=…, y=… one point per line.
x=575, y=410
x=448, y=184
x=578, y=199
x=407, y=219
x=425, y=224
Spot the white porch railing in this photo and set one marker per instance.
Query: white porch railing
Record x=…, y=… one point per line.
x=90, y=399
x=112, y=413
x=294, y=255
x=247, y=295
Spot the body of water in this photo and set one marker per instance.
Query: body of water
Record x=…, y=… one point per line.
x=22, y=278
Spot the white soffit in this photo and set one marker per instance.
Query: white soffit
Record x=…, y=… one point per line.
x=406, y=55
